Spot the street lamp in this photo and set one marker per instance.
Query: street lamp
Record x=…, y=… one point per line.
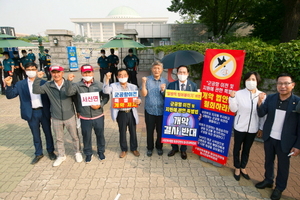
x=55, y=41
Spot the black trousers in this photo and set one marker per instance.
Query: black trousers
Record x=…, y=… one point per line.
x=102, y=74
x=132, y=77
x=242, y=141
x=114, y=71
x=153, y=122
x=47, y=72
x=273, y=147
x=127, y=120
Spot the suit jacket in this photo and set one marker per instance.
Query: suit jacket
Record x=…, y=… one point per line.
x=21, y=89
x=191, y=86
x=290, y=135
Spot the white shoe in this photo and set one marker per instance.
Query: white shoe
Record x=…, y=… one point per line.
x=78, y=157
x=59, y=160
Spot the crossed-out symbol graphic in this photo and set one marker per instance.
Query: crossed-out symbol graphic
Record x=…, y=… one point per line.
x=223, y=66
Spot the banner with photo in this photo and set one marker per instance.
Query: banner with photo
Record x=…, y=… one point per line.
x=180, y=120
x=223, y=71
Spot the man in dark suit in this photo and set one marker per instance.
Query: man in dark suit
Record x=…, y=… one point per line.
x=281, y=133
x=35, y=109
x=184, y=85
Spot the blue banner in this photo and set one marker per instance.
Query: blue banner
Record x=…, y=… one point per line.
x=72, y=58
x=180, y=120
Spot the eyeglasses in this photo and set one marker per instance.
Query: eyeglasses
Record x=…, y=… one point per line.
x=284, y=84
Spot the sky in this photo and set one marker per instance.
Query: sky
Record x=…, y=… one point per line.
x=36, y=16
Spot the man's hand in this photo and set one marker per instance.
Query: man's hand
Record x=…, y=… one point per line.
x=144, y=80
x=259, y=133
x=162, y=87
x=296, y=151
x=108, y=75
x=261, y=97
x=138, y=101
x=232, y=94
x=40, y=74
x=95, y=107
x=8, y=80
x=71, y=77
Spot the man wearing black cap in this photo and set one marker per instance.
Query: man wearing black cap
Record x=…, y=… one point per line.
x=31, y=55
x=113, y=62
x=91, y=117
x=103, y=64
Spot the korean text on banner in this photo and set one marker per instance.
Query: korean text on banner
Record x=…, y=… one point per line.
x=124, y=99
x=72, y=58
x=90, y=98
x=180, y=120
x=223, y=71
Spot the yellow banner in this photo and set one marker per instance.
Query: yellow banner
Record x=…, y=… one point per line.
x=183, y=94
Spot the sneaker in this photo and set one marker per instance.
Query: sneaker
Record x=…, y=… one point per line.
x=59, y=160
x=101, y=156
x=78, y=157
x=88, y=158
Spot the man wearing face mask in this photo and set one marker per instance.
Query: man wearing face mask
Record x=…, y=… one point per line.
x=113, y=62
x=31, y=55
x=126, y=117
x=24, y=60
x=91, y=117
x=103, y=64
x=182, y=84
x=35, y=109
x=131, y=62
x=18, y=75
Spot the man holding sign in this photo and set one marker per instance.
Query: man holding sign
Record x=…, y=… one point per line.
x=181, y=84
x=124, y=113
x=90, y=102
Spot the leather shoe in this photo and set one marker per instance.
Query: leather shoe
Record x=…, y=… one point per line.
x=136, y=153
x=246, y=176
x=149, y=153
x=263, y=185
x=172, y=153
x=183, y=155
x=123, y=154
x=236, y=177
x=52, y=156
x=36, y=159
x=160, y=152
x=276, y=194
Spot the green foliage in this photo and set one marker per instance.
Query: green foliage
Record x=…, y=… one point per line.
x=80, y=38
x=266, y=59
x=31, y=38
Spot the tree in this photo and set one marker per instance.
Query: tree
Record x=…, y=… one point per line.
x=188, y=19
x=291, y=20
x=219, y=16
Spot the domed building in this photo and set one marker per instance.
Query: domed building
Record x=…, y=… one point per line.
x=123, y=20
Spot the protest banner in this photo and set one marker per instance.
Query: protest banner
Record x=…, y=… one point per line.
x=222, y=73
x=90, y=98
x=180, y=119
x=124, y=99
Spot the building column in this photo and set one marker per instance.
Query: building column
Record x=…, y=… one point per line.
x=101, y=32
x=88, y=30
x=114, y=29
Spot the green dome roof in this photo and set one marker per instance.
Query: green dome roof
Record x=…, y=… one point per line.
x=123, y=12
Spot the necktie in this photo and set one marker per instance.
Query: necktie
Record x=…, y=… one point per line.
x=182, y=86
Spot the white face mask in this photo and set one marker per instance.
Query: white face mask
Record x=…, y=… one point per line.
x=182, y=77
x=87, y=78
x=251, y=85
x=24, y=54
x=123, y=80
x=31, y=74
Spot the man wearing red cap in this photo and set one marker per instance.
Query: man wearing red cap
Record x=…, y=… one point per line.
x=91, y=116
x=62, y=111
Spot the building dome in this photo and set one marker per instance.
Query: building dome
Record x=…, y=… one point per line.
x=123, y=12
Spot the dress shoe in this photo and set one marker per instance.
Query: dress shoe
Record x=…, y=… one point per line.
x=183, y=155
x=36, y=159
x=246, y=176
x=160, y=152
x=276, y=194
x=172, y=153
x=149, y=153
x=122, y=154
x=52, y=156
x=263, y=185
x=236, y=177
x=136, y=153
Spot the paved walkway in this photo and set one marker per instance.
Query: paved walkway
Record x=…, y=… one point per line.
x=157, y=177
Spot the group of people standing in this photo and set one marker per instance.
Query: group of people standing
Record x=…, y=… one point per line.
x=274, y=117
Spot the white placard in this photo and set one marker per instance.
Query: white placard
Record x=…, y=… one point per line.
x=90, y=98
